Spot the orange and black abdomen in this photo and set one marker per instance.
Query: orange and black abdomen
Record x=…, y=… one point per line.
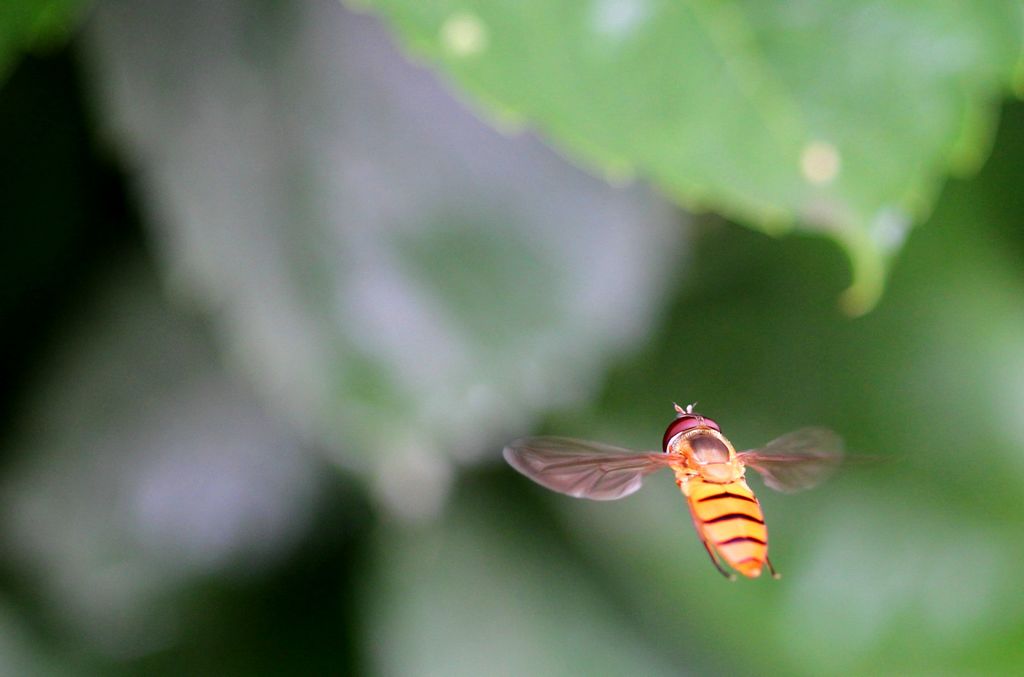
x=729, y=519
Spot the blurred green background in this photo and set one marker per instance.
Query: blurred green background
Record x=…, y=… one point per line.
x=279, y=280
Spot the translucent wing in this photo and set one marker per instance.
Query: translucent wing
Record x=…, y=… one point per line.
x=798, y=460
x=583, y=469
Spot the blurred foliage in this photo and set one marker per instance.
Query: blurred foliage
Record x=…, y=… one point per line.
x=252, y=426
x=64, y=206
x=486, y=574
x=304, y=165
x=836, y=117
x=26, y=25
x=904, y=566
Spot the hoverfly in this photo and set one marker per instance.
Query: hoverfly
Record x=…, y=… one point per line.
x=708, y=470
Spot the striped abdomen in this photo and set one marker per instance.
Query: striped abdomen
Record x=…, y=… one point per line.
x=729, y=519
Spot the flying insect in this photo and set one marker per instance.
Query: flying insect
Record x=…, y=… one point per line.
x=708, y=470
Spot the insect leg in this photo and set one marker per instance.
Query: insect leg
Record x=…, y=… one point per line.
x=714, y=560
x=776, y=575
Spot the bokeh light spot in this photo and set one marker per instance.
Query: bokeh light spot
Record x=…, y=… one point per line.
x=619, y=18
x=820, y=162
x=463, y=34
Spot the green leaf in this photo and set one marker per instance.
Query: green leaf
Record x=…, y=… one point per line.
x=26, y=24
x=906, y=564
x=839, y=118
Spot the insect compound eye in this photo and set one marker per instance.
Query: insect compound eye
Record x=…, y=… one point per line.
x=681, y=424
x=711, y=424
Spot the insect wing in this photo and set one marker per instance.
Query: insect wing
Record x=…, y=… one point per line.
x=798, y=460
x=583, y=469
